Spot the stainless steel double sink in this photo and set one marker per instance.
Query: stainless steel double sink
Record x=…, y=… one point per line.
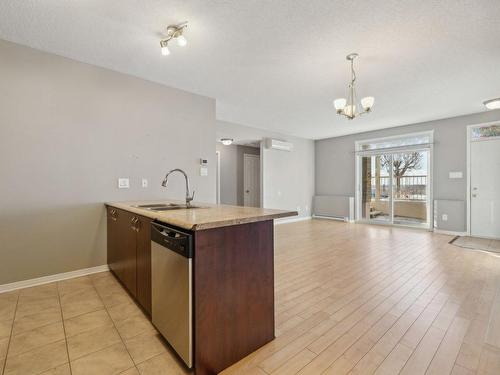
x=164, y=206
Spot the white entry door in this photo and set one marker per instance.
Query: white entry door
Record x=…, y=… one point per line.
x=485, y=188
x=251, y=180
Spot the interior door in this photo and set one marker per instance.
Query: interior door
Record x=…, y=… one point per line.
x=251, y=180
x=485, y=188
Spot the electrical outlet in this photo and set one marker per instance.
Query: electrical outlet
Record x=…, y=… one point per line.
x=123, y=183
x=203, y=171
x=144, y=182
x=444, y=217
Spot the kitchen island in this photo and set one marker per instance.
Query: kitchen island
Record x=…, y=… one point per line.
x=232, y=272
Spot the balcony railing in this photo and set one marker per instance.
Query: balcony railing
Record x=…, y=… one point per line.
x=413, y=188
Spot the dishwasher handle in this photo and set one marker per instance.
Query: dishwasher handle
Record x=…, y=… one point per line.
x=172, y=239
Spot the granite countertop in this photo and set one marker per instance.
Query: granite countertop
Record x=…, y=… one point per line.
x=206, y=217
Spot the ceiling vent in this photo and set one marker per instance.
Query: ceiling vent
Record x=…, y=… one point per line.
x=278, y=145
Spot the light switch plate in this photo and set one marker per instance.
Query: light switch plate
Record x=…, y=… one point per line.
x=123, y=183
x=444, y=217
x=458, y=174
x=144, y=182
x=203, y=171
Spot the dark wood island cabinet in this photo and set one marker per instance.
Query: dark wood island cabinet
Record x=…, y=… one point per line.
x=233, y=274
x=129, y=253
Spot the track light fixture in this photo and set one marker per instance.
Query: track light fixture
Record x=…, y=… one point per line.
x=173, y=32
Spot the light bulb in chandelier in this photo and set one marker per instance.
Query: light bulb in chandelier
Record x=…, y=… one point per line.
x=367, y=102
x=339, y=104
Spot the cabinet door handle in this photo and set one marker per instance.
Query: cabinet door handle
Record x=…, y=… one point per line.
x=113, y=214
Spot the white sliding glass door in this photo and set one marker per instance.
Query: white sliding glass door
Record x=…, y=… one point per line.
x=394, y=184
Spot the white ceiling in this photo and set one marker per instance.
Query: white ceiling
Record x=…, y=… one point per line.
x=278, y=64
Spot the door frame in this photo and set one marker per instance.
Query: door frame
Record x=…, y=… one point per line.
x=245, y=156
x=217, y=177
x=358, y=154
x=468, y=167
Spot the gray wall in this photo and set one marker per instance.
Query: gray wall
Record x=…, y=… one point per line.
x=68, y=130
x=232, y=172
x=335, y=163
x=287, y=177
x=228, y=174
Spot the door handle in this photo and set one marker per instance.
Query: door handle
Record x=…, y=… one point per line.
x=474, y=195
x=247, y=191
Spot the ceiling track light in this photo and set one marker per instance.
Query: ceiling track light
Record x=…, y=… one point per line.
x=347, y=107
x=173, y=32
x=492, y=103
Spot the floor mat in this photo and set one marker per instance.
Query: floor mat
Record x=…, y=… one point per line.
x=477, y=243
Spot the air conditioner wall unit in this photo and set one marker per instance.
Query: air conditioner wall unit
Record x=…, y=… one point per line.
x=278, y=145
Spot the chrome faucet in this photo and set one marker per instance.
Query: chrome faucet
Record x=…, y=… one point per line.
x=189, y=197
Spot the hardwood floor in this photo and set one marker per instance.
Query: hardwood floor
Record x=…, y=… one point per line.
x=360, y=299
x=350, y=299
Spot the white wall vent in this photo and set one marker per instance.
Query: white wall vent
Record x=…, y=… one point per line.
x=278, y=145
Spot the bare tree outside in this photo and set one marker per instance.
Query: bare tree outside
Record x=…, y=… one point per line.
x=402, y=163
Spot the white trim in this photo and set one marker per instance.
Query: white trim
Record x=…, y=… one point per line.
x=291, y=220
x=468, y=177
x=261, y=154
x=469, y=141
x=52, y=278
x=395, y=225
x=405, y=135
x=336, y=218
x=450, y=232
x=217, y=178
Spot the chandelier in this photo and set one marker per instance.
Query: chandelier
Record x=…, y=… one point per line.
x=347, y=107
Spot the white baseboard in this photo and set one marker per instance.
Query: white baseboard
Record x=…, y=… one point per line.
x=292, y=220
x=343, y=219
x=52, y=278
x=450, y=232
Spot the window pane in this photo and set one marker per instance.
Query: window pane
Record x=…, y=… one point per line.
x=397, y=142
x=486, y=132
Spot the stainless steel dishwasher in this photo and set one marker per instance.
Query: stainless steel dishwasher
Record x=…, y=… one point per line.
x=172, y=291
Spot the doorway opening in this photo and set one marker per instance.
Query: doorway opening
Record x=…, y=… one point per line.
x=239, y=174
x=394, y=180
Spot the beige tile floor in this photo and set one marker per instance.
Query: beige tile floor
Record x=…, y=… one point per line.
x=83, y=326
